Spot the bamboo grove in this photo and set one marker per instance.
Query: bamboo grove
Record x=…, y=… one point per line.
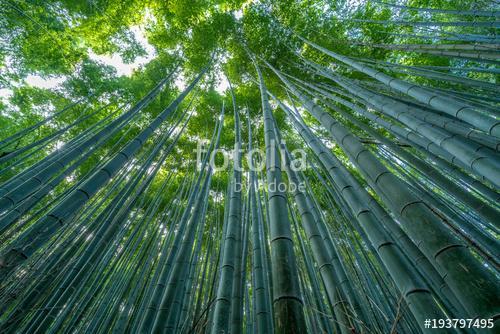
x=360, y=153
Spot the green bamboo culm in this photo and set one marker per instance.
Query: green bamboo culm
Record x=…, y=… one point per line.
x=287, y=301
x=34, y=239
x=441, y=252
x=232, y=244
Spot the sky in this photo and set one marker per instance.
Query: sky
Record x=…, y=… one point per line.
x=112, y=60
x=117, y=62
x=121, y=68
x=223, y=84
